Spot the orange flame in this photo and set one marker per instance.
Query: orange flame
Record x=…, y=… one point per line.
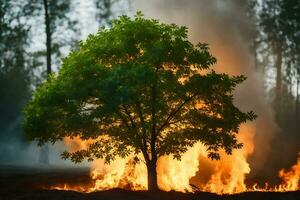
x=291, y=178
x=225, y=176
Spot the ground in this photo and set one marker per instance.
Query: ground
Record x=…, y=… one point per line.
x=25, y=183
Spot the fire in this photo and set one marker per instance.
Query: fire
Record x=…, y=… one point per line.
x=122, y=173
x=219, y=176
x=228, y=174
x=75, y=143
x=225, y=176
x=291, y=178
x=175, y=174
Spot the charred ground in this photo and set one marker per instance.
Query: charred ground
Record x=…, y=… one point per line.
x=28, y=183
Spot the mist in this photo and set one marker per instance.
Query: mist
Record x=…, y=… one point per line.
x=16, y=150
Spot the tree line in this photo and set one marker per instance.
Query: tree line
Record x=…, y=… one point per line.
x=276, y=50
x=276, y=45
x=22, y=66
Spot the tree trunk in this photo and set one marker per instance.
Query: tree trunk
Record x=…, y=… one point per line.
x=48, y=37
x=44, y=151
x=152, y=176
x=297, y=98
x=278, y=66
x=44, y=154
x=151, y=164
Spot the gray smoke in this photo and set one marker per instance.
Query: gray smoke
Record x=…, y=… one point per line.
x=224, y=26
x=15, y=150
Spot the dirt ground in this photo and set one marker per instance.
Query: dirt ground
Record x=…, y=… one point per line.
x=25, y=183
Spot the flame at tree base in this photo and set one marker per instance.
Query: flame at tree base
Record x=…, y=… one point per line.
x=125, y=178
x=226, y=176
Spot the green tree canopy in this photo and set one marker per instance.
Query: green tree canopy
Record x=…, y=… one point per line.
x=138, y=87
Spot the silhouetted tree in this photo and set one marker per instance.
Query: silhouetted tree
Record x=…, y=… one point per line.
x=14, y=72
x=138, y=88
x=56, y=15
x=278, y=25
x=279, y=20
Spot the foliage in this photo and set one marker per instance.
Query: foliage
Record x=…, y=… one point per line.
x=14, y=74
x=279, y=23
x=62, y=28
x=277, y=47
x=139, y=87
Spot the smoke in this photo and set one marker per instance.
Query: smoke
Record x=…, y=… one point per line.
x=16, y=150
x=224, y=25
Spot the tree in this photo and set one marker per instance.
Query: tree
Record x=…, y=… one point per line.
x=279, y=22
x=105, y=13
x=55, y=14
x=278, y=46
x=138, y=88
x=271, y=24
x=59, y=29
x=14, y=73
x=280, y=33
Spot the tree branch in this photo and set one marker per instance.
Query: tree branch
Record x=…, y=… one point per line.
x=124, y=120
x=129, y=116
x=140, y=114
x=143, y=144
x=174, y=112
x=153, y=118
